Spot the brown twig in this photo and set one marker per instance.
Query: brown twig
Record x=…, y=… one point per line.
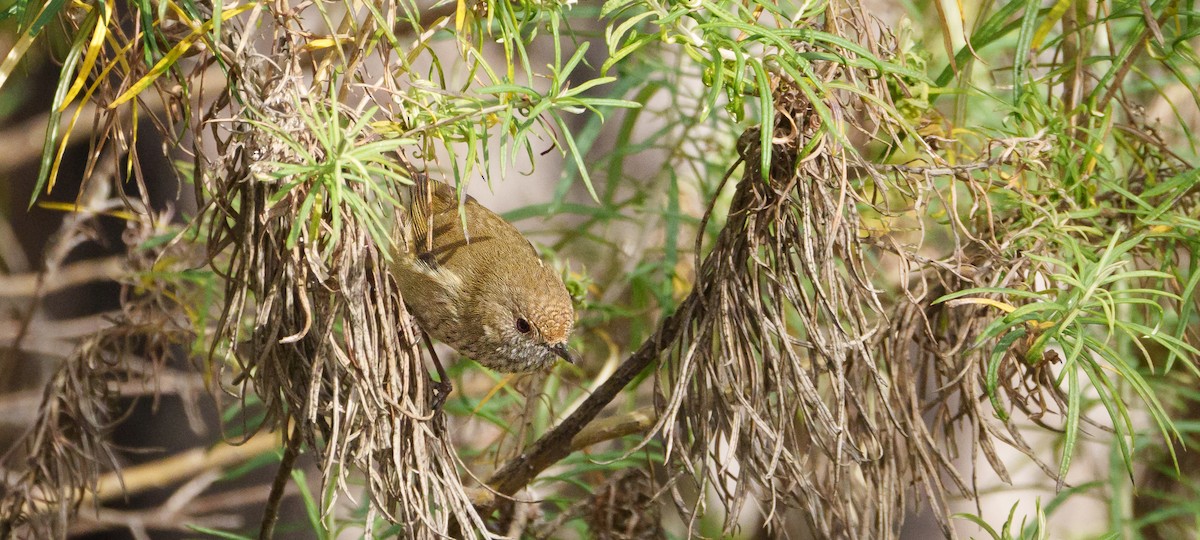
x=1152, y=27
x=613, y=427
x=169, y=470
x=557, y=444
x=71, y=275
x=604, y=429
x=271, y=512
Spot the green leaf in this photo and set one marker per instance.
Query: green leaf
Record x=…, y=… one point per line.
x=218, y=533
x=992, y=376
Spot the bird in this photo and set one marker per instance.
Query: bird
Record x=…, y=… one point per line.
x=477, y=284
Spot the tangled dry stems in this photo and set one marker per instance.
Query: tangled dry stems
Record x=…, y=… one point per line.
x=320, y=328
x=782, y=378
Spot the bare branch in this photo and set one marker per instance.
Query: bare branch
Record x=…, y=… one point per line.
x=71, y=275
x=557, y=444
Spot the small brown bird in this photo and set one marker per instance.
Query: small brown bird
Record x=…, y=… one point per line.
x=483, y=290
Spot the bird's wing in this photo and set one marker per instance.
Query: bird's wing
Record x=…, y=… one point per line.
x=436, y=222
x=419, y=213
x=432, y=203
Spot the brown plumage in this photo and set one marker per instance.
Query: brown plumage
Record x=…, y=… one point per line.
x=483, y=290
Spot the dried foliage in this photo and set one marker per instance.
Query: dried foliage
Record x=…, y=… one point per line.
x=60, y=459
x=774, y=391
x=774, y=365
x=819, y=357
x=625, y=508
x=318, y=324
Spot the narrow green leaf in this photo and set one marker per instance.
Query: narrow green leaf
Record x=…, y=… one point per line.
x=1021, y=54
x=992, y=376
x=766, y=114
x=1071, y=430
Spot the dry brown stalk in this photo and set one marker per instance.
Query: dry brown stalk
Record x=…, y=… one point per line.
x=173, y=469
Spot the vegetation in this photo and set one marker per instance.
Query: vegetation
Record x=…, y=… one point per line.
x=838, y=268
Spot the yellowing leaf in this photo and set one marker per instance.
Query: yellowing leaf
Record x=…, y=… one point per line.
x=72, y=207
x=174, y=54
x=1056, y=13
x=1002, y=306
x=320, y=43
x=93, y=50
x=500, y=385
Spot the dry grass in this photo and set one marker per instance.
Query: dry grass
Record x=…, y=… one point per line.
x=321, y=334
x=798, y=373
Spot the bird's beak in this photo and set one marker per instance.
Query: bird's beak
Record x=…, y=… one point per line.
x=560, y=350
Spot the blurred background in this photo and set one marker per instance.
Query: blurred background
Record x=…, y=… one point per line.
x=628, y=252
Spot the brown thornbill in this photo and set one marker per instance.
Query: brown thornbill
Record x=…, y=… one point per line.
x=483, y=290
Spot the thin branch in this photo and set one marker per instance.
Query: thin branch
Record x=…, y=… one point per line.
x=271, y=512
x=604, y=429
x=614, y=427
x=169, y=470
x=1117, y=81
x=71, y=275
x=557, y=444
x=60, y=329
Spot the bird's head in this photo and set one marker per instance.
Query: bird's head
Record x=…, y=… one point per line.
x=525, y=320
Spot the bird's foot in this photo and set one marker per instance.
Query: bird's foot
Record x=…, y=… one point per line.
x=441, y=391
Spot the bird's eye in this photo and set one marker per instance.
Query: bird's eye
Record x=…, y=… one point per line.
x=523, y=326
